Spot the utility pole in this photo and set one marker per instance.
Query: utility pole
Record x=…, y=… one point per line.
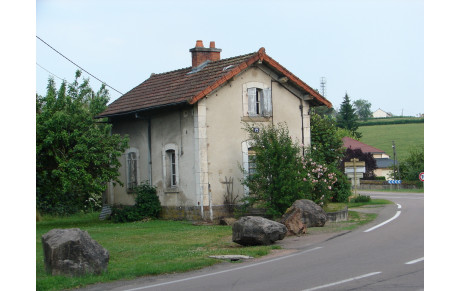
x=395, y=162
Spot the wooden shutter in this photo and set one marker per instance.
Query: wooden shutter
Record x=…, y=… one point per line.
x=267, y=102
x=252, y=101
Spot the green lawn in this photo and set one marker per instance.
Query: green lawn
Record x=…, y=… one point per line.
x=143, y=248
x=404, y=136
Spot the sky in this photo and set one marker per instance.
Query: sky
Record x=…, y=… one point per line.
x=368, y=49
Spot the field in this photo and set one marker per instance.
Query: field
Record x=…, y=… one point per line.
x=404, y=136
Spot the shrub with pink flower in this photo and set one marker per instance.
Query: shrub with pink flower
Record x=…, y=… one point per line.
x=320, y=181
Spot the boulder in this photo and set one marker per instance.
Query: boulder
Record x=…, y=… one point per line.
x=256, y=230
x=309, y=213
x=73, y=252
x=227, y=221
x=294, y=222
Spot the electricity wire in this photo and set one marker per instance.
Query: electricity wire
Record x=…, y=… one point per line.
x=50, y=72
x=79, y=66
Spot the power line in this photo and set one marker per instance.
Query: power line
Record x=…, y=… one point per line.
x=50, y=72
x=79, y=66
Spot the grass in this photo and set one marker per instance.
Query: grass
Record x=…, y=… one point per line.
x=160, y=247
x=142, y=248
x=404, y=136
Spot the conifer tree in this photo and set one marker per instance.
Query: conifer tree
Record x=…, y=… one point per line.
x=347, y=117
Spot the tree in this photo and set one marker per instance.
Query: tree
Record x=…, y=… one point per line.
x=413, y=165
x=347, y=117
x=325, y=142
x=367, y=158
x=277, y=181
x=327, y=149
x=75, y=155
x=363, y=109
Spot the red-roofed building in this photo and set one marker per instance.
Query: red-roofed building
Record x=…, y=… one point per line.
x=185, y=127
x=385, y=165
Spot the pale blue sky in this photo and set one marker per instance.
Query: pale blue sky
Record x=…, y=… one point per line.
x=371, y=49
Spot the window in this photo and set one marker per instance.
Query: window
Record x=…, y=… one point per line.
x=259, y=102
x=249, y=164
x=132, y=169
x=251, y=161
x=171, y=167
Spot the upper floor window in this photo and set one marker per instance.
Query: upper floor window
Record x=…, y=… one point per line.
x=259, y=102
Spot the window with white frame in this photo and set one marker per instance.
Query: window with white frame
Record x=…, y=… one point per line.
x=172, y=173
x=171, y=166
x=259, y=102
x=249, y=165
x=132, y=169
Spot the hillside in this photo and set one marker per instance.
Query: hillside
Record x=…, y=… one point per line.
x=404, y=136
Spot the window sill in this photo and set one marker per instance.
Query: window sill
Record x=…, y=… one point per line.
x=174, y=190
x=256, y=119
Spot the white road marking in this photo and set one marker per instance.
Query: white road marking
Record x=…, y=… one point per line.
x=399, y=205
x=225, y=271
x=343, y=281
x=415, y=261
x=385, y=222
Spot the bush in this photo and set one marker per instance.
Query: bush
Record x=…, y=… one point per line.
x=147, y=205
x=361, y=198
x=276, y=182
x=342, y=188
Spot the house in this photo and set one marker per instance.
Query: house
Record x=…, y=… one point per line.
x=185, y=128
x=385, y=165
x=379, y=113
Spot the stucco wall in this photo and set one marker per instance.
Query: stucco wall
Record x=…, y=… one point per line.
x=168, y=127
x=225, y=120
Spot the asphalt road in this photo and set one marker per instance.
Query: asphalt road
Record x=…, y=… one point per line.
x=386, y=254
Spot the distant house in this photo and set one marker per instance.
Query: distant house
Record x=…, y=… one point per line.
x=384, y=163
x=379, y=113
x=185, y=128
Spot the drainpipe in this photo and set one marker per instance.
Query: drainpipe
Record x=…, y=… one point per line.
x=149, y=136
x=301, y=118
x=210, y=202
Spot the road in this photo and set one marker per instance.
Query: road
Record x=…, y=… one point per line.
x=385, y=254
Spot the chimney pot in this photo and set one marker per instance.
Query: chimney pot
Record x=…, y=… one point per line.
x=201, y=54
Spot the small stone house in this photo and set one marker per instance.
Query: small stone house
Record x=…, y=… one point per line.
x=186, y=128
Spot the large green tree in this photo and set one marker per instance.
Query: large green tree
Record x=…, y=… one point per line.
x=363, y=109
x=76, y=156
x=276, y=181
x=347, y=117
x=327, y=148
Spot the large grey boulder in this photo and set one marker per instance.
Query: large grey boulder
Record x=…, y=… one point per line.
x=73, y=252
x=256, y=230
x=308, y=212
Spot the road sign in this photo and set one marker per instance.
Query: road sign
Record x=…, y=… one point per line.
x=421, y=176
x=394, y=181
x=352, y=170
x=354, y=164
x=352, y=175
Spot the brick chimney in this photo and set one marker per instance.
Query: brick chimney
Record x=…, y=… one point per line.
x=201, y=54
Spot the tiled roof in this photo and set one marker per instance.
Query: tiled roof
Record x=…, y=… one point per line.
x=354, y=144
x=189, y=86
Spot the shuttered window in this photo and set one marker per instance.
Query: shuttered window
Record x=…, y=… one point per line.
x=259, y=102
